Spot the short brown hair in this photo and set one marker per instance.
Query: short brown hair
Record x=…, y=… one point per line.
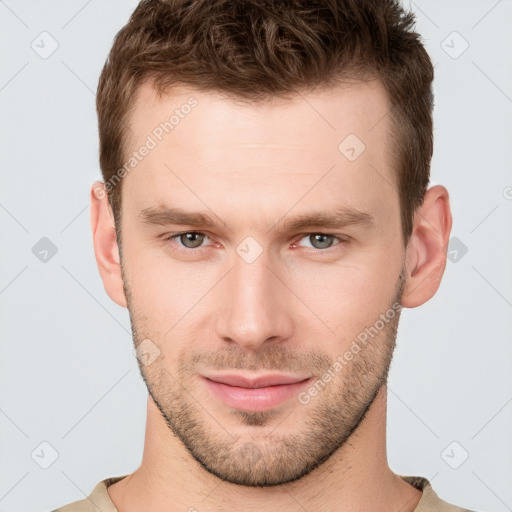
x=257, y=49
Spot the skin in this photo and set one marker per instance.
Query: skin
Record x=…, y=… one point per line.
x=294, y=309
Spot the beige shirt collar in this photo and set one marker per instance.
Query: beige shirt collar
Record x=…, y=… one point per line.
x=99, y=498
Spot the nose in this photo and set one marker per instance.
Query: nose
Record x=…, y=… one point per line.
x=255, y=305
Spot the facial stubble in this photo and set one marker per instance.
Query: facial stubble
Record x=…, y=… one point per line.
x=267, y=459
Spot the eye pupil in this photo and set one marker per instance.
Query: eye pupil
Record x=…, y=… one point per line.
x=322, y=239
x=191, y=237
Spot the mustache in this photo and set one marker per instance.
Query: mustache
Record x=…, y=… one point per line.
x=271, y=358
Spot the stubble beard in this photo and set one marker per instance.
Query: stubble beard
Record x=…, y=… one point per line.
x=271, y=458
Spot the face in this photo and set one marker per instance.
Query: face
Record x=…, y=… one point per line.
x=257, y=241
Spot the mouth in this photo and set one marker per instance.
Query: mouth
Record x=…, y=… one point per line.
x=255, y=394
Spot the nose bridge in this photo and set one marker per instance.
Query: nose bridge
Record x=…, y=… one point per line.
x=253, y=304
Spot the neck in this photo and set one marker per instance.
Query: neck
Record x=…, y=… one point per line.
x=355, y=478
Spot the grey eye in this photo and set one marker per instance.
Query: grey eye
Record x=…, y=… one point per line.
x=191, y=240
x=320, y=241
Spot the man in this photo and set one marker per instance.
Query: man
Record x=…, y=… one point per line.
x=264, y=216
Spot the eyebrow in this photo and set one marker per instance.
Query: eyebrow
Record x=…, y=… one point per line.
x=339, y=218
x=161, y=215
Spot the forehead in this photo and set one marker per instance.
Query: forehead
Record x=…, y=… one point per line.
x=329, y=145
x=347, y=108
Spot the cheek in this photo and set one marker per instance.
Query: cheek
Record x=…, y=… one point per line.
x=347, y=295
x=164, y=291
x=351, y=297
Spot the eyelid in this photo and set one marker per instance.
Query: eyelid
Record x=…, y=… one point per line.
x=170, y=237
x=341, y=238
x=175, y=236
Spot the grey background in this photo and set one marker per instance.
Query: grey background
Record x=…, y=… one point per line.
x=68, y=373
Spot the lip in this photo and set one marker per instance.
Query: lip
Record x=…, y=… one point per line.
x=263, y=381
x=255, y=394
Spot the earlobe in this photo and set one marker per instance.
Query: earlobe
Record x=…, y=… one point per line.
x=105, y=243
x=427, y=247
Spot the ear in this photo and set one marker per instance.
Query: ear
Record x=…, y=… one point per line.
x=105, y=243
x=427, y=247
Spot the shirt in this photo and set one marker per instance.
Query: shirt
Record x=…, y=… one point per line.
x=99, y=498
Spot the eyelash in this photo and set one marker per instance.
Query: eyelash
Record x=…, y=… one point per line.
x=172, y=236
